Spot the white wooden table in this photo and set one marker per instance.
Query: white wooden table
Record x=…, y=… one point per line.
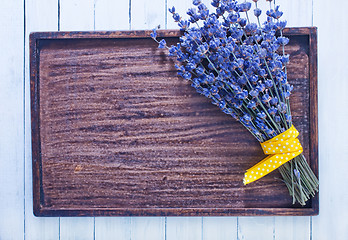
x=20, y=17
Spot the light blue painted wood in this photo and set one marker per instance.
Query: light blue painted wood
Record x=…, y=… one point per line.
x=184, y=228
x=11, y=120
x=147, y=14
x=251, y=228
x=40, y=15
x=76, y=228
x=112, y=228
x=223, y=228
x=292, y=228
x=331, y=20
x=147, y=228
x=112, y=15
x=297, y=13
x=76, y=15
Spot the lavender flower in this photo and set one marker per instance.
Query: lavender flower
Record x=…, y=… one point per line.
x=153, y=34
x=257, y=12
x=282, y=40
x=162, y=44
x=196, y=2
x=172, y=9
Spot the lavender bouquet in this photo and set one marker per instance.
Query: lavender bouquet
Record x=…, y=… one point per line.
x=236, y=63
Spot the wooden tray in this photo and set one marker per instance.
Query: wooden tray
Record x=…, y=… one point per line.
x=115, y=132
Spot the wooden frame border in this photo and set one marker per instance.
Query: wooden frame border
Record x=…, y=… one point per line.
x=40, y=210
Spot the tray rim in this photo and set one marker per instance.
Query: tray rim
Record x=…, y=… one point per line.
x=41, y=211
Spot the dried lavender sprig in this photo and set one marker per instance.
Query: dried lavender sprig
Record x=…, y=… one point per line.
x=309, y=181
x=243, y=72
x=206, y=57
x=277, y=15
x=269, y=72
x=247, y=122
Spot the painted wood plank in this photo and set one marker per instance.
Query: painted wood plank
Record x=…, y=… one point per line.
x=41, y=15
x=11, y=121
x=292, y=228
x=184, y=228
x=147, y=228
x=260, y=228
x=76, y=15
x=113, y=228
x=147, y=14
x=333, y=114
x=76, y=228
x=112, y=15
x=222, y=228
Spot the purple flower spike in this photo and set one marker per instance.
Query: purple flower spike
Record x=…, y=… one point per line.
x=162, y=44
x=154, y=34
x=257, y=12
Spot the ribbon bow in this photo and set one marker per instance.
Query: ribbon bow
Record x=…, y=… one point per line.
x=281, y=149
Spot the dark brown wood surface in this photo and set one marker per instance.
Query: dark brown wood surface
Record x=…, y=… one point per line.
x=116, y=132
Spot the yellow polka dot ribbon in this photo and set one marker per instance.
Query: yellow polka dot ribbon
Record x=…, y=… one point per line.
x=281, y=149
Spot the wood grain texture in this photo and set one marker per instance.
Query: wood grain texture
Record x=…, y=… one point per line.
x=77, y=15
x=115, y=15
x=41, y=15
x=11, y=121
x=133, y=136
x=172, y=225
